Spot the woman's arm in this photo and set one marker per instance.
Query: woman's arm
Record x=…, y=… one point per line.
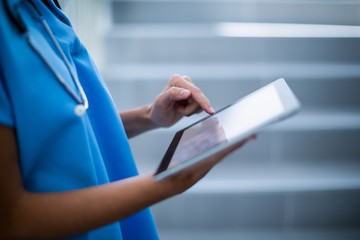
x=137, y=121
x=179, y=98
x=48, y=215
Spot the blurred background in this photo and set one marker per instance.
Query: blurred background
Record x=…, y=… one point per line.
x=298, y=180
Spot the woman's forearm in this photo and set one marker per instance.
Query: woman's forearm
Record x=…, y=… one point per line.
x=27, y=215
x=48, y=215
x=136, y=121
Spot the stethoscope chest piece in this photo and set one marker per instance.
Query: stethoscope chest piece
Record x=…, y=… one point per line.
x=80, y=110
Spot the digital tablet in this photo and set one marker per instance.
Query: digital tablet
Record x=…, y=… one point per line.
x=233, y=123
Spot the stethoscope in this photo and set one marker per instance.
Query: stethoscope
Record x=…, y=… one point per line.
x=83, y=104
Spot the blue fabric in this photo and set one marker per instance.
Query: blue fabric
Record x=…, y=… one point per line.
x=58, y=150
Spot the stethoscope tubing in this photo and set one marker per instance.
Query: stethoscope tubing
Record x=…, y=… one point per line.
x=15, y=16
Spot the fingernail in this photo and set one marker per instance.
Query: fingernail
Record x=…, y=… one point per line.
x=184, y=93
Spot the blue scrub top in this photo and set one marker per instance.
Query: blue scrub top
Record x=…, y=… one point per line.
x=58, y=150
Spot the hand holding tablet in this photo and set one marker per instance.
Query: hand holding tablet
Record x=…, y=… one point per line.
x=229, y=126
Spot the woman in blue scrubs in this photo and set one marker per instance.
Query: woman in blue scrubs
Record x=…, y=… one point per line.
x=66, y=168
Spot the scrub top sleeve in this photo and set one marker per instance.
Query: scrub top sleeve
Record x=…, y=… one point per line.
x=6, y=113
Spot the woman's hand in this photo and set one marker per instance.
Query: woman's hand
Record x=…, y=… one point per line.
x=185, y=179
x=179, y=98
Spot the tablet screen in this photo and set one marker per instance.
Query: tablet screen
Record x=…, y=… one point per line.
x=230, y=124
x=227, y=124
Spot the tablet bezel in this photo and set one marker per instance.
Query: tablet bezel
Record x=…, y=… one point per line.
x=289, y=102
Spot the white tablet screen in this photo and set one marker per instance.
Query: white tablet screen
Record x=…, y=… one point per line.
x=236, y=120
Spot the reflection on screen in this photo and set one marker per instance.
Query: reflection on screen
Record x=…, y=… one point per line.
x=237, y=120
x=198, y=139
